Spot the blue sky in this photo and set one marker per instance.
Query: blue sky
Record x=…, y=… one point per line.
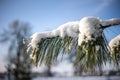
x=45, y=15
x=49, y=14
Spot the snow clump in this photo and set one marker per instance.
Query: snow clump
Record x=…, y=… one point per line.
x=90, y=29
x=114, y=44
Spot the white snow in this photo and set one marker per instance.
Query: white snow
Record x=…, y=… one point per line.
x=36, y=38
x=90, y=29
x=115, y=43
x=69, y=29
x=41, y=69
x=64, y=68
x=111, y=22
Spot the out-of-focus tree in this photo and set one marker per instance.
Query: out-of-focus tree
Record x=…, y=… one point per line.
x=18, y=60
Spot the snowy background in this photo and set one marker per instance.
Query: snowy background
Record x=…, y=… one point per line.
x=78, y=78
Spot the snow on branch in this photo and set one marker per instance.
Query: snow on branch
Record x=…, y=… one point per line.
x=115, y=44
x=90, y=29
x=70, y=29
x=110, y=22
x=85, y=35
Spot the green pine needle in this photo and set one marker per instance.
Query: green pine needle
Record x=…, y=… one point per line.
x=87, y=55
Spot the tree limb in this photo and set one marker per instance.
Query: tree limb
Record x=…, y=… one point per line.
x=110, y=22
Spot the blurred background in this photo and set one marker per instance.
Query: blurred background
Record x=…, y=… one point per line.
x=21, y=18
